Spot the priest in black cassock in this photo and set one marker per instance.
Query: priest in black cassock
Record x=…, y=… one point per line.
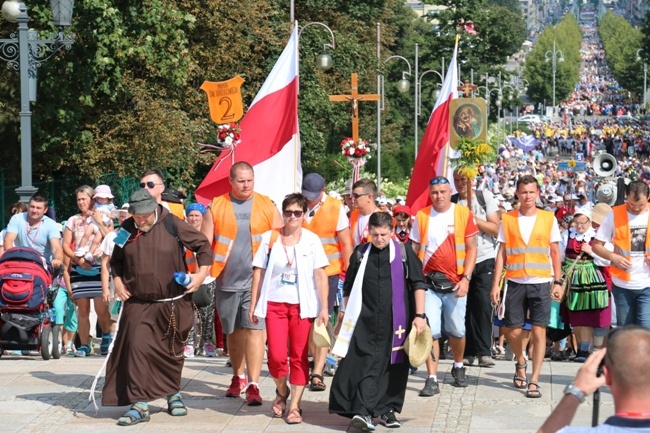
x=384, y=296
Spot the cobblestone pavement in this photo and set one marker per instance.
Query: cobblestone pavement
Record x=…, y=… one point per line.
x=52, y=396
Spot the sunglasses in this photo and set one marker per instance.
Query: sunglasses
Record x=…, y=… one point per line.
x=356, y=196
x=295, y=213
x=149, y=184
x=438, y=181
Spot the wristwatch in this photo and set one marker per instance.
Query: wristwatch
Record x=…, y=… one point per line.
x=422, y=316
x=468, y=277
x=571, y=389
x=558, y=282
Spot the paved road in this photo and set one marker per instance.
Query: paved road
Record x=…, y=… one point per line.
x=52, y=396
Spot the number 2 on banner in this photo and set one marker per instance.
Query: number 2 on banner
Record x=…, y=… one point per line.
x=228, y=115
x=224, y=99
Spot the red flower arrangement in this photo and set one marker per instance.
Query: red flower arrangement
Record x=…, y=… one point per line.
x=353, y=149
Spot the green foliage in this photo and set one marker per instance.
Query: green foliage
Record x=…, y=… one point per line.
x=127, y=96
x=567, y=38
x=621, y=42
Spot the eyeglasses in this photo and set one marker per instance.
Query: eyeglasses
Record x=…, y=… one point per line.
x=356, y=196
x=582, y=224
x=149, y=184
x=295, y=213
x=438, y=181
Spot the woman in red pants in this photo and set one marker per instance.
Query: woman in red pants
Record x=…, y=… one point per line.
x=289, y=290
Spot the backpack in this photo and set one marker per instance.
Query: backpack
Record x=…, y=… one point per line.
x=480, y=197
x=25, y=279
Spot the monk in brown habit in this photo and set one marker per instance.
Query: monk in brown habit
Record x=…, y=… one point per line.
x=147, y=358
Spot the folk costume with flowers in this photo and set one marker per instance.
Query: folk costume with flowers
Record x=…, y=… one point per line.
x=589, y=284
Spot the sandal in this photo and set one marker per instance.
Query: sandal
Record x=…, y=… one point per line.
x=294, y=416
x=279, y=404
x=175, y=405
x=319, y=385
x=533, y=393
x=523, y=380
x=138, y=413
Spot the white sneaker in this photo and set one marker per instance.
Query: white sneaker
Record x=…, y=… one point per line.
x=188, y=352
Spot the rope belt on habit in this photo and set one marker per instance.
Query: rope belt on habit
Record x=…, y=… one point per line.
x=101, y=371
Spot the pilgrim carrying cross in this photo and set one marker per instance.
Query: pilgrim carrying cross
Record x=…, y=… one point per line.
x=354, y=97
x=467, y=89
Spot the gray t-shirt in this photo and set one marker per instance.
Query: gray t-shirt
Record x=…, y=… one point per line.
x=237, y=275
x=486, y=243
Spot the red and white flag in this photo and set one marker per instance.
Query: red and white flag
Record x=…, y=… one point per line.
x=270, y=139
x=434, y=152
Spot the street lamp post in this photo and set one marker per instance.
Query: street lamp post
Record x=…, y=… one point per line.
x=324, y=60
x=552, y=56
x=25, y=52
x=645, y=77
x=403, y=86
x=418, y=93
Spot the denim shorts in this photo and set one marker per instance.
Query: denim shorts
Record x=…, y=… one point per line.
x=445, y=311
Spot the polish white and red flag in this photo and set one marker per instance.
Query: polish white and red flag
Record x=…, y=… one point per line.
x=434, y=151
x=270, y=138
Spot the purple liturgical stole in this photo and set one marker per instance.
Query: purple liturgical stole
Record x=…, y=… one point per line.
x=400, y=331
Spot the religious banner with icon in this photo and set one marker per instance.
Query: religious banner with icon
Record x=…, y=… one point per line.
x=225, y=100
x=467, y=119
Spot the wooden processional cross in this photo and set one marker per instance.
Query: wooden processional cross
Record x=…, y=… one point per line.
x=354, y=97
x=467, y=89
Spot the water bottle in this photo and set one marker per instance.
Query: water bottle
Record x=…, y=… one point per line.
x=182, y=278
x=52, y=315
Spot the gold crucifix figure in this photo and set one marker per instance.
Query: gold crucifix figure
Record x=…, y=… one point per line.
x=354, y=97
x=467, y=89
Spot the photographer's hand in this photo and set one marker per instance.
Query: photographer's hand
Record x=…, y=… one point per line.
x=587, y=379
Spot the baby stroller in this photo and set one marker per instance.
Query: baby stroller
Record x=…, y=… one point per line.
x=25, y=279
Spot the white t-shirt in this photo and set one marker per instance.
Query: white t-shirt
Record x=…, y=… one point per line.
x=277, y=291
x=361, y=231
x=639, y=272
x=526, y=225
x=441, y=225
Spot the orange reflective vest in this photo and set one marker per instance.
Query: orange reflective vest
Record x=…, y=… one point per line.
x=225, y=227
x=461, y=216
x=190, y=260
x=532, y=259
x=622, y=240
x=354, y=221
x=324, y=225
x=177, y=209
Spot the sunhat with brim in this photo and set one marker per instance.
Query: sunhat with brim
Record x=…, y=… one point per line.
x=418, y=346
x=599, y=212
x=103, y=191
x=320, y=335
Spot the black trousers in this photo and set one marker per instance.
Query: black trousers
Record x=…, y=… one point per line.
x=478, y=317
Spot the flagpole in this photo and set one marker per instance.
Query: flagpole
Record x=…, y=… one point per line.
x=296, y=142
x=453, y=86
